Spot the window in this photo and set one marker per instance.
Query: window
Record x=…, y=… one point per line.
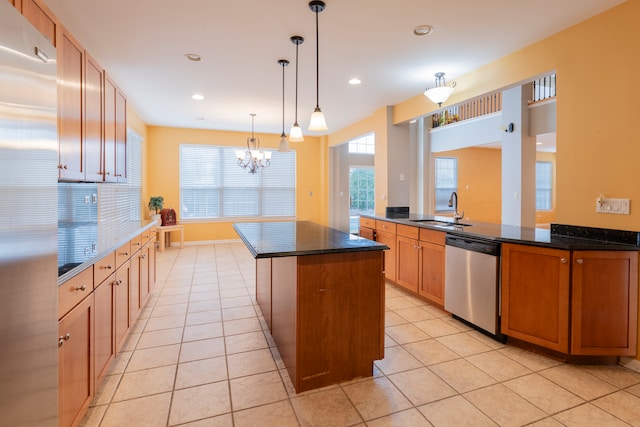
x=134, y=173
x=544, y=185
x=446, y=181
x=361, y=195
x=363, y=145
x=213, y=186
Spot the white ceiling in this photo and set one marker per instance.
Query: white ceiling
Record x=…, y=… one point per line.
x=142, y=45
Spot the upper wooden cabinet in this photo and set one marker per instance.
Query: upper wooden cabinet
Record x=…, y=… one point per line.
x=115, y=132
x=71, y=148
x=92, y=119
x=40, y=17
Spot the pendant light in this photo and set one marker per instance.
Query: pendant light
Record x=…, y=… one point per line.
x=295, y=134
x=441, y=92
x=284, y=144
x=318, y=121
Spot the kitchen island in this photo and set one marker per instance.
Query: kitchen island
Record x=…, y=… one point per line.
x=321, y=292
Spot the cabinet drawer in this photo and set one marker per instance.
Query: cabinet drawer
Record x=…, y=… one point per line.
x=432, y=236
x=123, y=253
x=74, y=290
x=103, y=268
x=145, y=237
x=136, y=243
x=386, y=226
x=407, y=231
x=367, y=222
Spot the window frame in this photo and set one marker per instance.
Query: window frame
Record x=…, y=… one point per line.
x=448, y=189
x=549, y=189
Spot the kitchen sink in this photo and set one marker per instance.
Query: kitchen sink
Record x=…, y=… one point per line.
x=440, y=223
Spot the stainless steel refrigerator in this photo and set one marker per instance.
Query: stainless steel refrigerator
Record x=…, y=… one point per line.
x=28, y=225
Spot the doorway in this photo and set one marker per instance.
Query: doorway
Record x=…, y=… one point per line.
x=361, y=195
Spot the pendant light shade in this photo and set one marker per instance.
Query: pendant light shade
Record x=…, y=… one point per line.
x=295, y=134
x=441, y=92
x=318, y=122
x=284, y=144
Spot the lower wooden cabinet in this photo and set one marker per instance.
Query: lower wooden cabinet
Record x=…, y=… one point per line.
x=105, y=349
x=121, y=317
x=580, y=303
x=75, y=362
x=388, y=239
x=408, y=263
x=432, y=265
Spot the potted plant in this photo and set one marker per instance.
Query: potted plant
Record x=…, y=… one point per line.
x=155, y=204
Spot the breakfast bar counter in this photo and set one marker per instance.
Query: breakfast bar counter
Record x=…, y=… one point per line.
x=321, y=292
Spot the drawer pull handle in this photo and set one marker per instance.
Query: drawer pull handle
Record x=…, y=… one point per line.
x=63, y=338
x=579, y=261
x=81, y=288
x=563, y=260
x=136, y=243
x=125, y=254
x=143, y=256
x=117, y=282
x=108, y=267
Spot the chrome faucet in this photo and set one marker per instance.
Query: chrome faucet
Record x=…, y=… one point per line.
x=453, y=203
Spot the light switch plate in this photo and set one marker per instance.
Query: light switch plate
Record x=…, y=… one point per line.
x=613, y=206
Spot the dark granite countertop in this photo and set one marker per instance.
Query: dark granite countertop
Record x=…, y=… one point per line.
x=297, y=238
x=560, y=236
x=81, y=244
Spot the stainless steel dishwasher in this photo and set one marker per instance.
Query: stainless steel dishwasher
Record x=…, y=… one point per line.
x=471, y=290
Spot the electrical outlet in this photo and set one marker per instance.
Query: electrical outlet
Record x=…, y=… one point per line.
x=86, y=200
x=613, y=206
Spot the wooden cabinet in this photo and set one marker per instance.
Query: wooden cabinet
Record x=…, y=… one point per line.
x=408, y=257
x=122, y=320
x=104, y=346
x=578, y=303
x=92, y=119
x=40, y=17
x=386, y=234
x=121, y=137
x=604, y=298
x=75, y=362
x=432, y=265
x=71, y=149
x=367, y=228
x=115, y=132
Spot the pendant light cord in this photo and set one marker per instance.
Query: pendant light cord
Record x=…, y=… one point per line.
x=317, y=62
x=283, y=65
x=297, y=45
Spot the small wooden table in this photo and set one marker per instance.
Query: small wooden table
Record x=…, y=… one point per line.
x=162, y=230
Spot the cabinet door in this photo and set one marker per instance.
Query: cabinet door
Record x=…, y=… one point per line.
x=535, y=295
x=121, y=298
x=152, y=260
x=75, y=362
x=109, y=157
x=135, y=303
x=121, y=136
x=104, y=327
x=432, y=272
x=71, y=164
x=144, y=274
x=92, y=119
x=390, y=240
x=408, y=263
x=40, y=17
x=604, y=303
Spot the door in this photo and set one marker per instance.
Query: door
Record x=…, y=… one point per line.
x=361, y=195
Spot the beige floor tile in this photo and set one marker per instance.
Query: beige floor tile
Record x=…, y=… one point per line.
x=197, y=306
x=498, y=365
x=414, y=314
x=278, y=414
x=202, y=349
x=617, y=375
x=389, y=342
x=392, y=319
x=376, y=397
x=164, y=322
x=462, y=375
x=406, y=333
x=437, y=327
x=201, y=317
x=241, y=326
x=234, y=313
x=180, y=298
x=153, y=357
x=169, y=310
x=120, y=363
x=578, y=382
x=410, y=417
x=256, y=390
x=225, y=420
x=106, y=390
x=635, y=390
x=94, y=416
x=202, y=331
x=201, y=372
x=397, y=359
x=546, y=395
x=489, y=341
x=160, y=337
x=203, y=295
x=503, y=406
x=236, y=302
x=231, y=293
x=623, y=405
x=588, y=415
x=546, y=422
x=534, y=361
x=145, y=383
x=149, y=411
x=430, y=352
x=421, y=386
x=325, y=408
x=250, y=363
x=398, y=303
x=199, y=402
x=245, y=342
x=463, y=344
x=455, y=411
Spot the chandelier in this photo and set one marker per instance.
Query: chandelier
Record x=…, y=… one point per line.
x=252, y=159
x=441, y=92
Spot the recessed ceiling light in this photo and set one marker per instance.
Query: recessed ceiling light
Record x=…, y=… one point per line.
x=197, y=96
x=538, y=143
x=355, y=81
x=423, y=30
x=193, y=57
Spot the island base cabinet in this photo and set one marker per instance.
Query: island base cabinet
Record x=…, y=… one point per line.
x=535, y=295
x=604, y=303
x=75, y=362
x=330, y=330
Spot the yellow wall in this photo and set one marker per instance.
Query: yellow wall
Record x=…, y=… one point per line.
x=163, y=176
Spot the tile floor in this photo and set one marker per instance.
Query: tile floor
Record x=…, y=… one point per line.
x=199, y=356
